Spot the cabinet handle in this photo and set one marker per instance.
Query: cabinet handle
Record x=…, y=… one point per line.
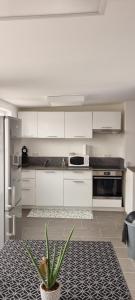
x=107, y=127
x=52, y=136
x=79, y=136
x=26, y=180
x=78, y=181
x=26, y=189
x=49, y=172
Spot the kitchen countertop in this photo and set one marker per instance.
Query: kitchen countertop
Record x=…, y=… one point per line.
x=60, y=168
x=132, y=169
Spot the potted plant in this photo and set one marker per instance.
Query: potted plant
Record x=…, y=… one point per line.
x=49, y=268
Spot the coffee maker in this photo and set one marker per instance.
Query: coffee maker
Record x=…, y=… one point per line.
x=25, y=157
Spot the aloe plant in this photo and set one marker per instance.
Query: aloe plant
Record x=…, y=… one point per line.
x=50, y=265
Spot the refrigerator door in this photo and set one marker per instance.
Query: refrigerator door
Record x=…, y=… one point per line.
x=12, y=162
x=13, y=223
x=1, y=182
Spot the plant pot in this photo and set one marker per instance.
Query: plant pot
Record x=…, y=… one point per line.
x=50, y=295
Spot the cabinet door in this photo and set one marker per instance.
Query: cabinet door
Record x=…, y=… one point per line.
x=107, y=120
x=29, y=123
x=49, y=188
x=28, y=192
x=78, y=193
x=51, y=124
x=129, y=191
x=78, y=124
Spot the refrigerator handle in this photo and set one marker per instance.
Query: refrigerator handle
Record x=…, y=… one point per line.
x=12, y=190
x=13, y=196
x=13, y=226
x=13, y=233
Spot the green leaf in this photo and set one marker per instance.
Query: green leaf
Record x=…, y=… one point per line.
x=53, y=264
x=35, y=264
x=48, y=257
x=61, y=258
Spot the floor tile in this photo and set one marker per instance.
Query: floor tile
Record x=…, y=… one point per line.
x=127, y=265
x=133, y=294
x=130, y=278
x=121, y=252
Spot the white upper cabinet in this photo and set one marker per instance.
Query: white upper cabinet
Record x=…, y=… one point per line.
x=51, y=124
x=29, y=123
x=78, y=124
x=107, y=120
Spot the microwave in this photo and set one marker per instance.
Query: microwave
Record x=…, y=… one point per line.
x=78, y=161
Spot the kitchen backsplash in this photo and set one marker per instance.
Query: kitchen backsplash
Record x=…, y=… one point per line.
x=100, y=145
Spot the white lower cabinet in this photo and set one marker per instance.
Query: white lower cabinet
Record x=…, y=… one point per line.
x=28, y=193
x=49, y=188
x=130, y=191
x=77, y=192
x=28, y=187
x=57, y=188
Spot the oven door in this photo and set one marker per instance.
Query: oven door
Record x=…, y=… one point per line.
x=107, y=187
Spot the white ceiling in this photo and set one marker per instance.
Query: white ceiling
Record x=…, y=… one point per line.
x=77, y=55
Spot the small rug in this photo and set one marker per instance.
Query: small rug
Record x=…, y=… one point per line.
x=60, y=212
x=90, y=271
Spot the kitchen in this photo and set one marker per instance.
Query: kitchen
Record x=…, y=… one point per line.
x=82, y=180
x=67, y=144
x=77, y=125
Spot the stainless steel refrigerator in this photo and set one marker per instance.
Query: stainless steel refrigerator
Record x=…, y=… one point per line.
x=10, y=179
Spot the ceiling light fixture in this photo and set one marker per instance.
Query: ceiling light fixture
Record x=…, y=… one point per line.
x=66, y=100
x=18, y=9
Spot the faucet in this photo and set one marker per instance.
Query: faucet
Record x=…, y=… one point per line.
x=63, y=162
x=45, y=163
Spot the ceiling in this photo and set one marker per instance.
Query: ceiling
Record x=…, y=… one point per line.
x=92, y=56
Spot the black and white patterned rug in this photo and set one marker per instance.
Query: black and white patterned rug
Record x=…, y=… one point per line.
x=90, y=271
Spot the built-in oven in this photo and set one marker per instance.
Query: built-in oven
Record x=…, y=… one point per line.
x=107, y=184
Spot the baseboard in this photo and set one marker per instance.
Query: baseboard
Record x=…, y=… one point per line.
x=121, y=209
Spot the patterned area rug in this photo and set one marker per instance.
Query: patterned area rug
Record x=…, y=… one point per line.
x=91, y=271
x=69, y=213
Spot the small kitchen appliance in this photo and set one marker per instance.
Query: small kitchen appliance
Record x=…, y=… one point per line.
x=25, y=158
x=78, y=161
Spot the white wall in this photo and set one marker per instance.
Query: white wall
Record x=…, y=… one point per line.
x=8, y=106
x=99, y=145
x=130, y=133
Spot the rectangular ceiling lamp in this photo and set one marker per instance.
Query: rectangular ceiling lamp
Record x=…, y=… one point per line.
x=46, y=8
x=65, y=100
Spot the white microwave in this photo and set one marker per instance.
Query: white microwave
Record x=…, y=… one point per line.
x=78, y=161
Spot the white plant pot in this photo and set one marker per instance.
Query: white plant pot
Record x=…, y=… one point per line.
x=50, y=295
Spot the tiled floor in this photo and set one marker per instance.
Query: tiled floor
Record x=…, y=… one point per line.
x=106, y=226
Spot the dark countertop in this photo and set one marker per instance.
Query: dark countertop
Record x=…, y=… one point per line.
x=56, y=163
x=60, y=168
x=131, y=169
